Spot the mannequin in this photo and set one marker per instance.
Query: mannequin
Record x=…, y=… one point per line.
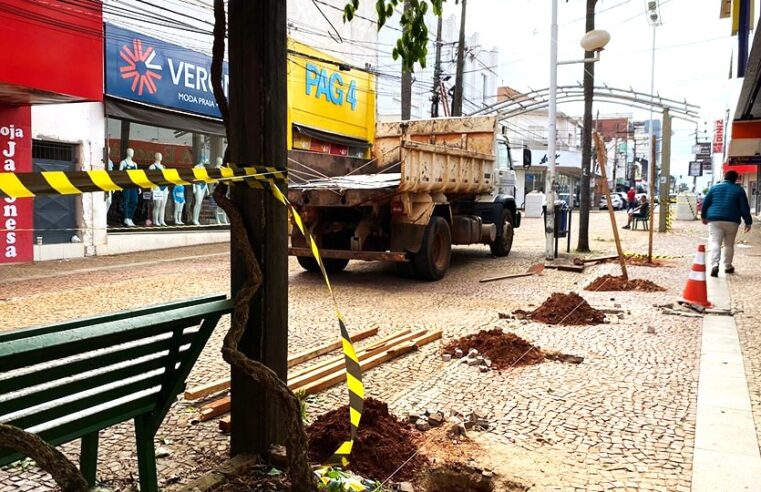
x=129, y=195
x=200, y=190
x=109, y=167
x=178, y=194
x=221, y=215
x=159, y=194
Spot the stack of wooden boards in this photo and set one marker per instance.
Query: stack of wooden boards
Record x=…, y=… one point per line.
x=321, y=375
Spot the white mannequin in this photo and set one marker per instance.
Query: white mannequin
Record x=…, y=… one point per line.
x=129, y=195
x=109, y=167
x=200, y=191
x=159, y=195
x=221, y=215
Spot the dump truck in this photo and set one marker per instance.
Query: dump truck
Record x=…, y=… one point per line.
x=430, y=184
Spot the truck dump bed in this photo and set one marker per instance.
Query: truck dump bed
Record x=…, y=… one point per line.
x=444, y=155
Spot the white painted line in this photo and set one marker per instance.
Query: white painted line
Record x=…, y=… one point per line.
x=727, y=456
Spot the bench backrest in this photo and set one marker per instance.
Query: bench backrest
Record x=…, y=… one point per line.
x=64, y=384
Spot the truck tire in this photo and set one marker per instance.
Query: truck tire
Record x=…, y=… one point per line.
x=504, y=243
x=432, y=261
x=332, y=265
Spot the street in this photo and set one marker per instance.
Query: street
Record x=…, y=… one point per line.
x=622, y=419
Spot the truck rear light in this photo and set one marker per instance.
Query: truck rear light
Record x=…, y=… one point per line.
x=397, y=208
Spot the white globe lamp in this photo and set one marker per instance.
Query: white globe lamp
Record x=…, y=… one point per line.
x=595, y=40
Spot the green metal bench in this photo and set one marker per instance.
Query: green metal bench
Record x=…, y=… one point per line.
x=70, y=380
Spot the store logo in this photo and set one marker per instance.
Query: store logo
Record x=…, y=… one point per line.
x=140, y=67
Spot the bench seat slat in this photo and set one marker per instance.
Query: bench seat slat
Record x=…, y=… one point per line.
x=51, y=346
x=87, y=402
x=75, y=367
x=55, y=392
x=95, y=320
x=85, y=425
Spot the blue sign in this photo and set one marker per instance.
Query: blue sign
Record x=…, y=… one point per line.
x=150, y=71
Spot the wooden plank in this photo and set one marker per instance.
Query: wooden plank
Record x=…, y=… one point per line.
x=338, y=376
x=214, y=409
x=385, y=340
x=602, y=159
x=312, y=374
x=223, y=384
x=505, y=277
x=328, y=347
x=598, y=259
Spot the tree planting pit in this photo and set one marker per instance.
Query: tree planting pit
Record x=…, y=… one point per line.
x=564, y=309
x=610, y=283
x=504, y=350
x=383, y=442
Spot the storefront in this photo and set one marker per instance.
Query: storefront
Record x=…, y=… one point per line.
x=40, y=43
x=532, y=179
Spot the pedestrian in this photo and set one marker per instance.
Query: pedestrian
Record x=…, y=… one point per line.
x=631, y=199
x=723, y=207
x=639, y=212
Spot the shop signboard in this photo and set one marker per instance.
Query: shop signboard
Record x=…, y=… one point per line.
x=718, y=136
x=16, y=214
x=147, y=70
x=328, y=95
x=696, y=169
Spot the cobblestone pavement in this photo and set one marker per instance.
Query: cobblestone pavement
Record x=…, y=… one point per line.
x=623, y=419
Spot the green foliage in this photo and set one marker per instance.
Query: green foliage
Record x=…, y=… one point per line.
x=302, y=397
x=412, y=46
x=337, y=480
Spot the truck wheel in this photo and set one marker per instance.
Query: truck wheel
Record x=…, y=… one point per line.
x=432, y=261
x=332, y=265
x=504, y=243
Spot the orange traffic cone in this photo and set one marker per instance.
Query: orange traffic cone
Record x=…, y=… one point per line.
x=696, y=291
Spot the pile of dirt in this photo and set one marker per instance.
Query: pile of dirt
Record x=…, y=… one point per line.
x=383, y=442
x=565, y=309
x=611, y=283
x=634, y=259
x=505, y=350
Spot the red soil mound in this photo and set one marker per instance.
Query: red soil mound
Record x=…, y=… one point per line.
x=565, y=309
x=505, y=350
x=611, y=283
x=383, y=442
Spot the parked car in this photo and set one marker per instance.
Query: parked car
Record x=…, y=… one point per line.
x=647, y=196
x=616, y=201
x=624, y=201
x=566, y=197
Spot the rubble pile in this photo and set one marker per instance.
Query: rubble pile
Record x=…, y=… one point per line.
x=458, y=424
x=383, y=442
x=564, y=309
x=610, y=283
x=494, y=349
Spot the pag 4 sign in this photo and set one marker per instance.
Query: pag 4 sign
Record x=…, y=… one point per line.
x=16, y=214
x=150, y=71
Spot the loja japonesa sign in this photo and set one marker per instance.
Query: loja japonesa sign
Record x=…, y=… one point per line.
x=16, y=214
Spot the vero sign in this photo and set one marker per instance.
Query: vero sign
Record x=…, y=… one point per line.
x=150, y=71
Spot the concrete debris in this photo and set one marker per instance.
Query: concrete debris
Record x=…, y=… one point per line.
x=446, y=357
x=405, y=487
x=458, y=353
x=651, y=330
x=472, y=359
x=483, y=368
x=422, y=425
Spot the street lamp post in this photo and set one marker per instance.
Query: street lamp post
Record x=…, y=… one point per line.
x=595, y=41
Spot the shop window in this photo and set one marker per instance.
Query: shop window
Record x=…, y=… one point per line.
x=53, y=151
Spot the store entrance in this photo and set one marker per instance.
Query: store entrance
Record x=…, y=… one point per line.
x=54, y=215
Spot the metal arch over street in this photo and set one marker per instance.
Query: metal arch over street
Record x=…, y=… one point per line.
x=539, y=99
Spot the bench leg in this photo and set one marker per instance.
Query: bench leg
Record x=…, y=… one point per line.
x=146, y=455
x=88, y=457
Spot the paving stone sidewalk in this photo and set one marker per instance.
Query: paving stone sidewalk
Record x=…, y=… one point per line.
x=623, y=419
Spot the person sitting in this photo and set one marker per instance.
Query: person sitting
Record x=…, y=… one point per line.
x=640, y=212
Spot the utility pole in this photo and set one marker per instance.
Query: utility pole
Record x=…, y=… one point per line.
x=663, y=196
x=406, y=82
x=257, y=95
x=458, y=84
x=437, y=72
x=550, y=183
x=585, y=204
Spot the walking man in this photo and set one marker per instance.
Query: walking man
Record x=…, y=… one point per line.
x=723, y=207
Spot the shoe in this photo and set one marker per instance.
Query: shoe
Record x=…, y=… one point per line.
x=626, y=227
x=715, y=271
x=729, y=269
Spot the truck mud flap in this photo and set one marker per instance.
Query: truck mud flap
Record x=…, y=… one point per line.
x=407, y=237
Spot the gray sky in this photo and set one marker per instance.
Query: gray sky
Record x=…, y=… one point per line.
x=693, y=51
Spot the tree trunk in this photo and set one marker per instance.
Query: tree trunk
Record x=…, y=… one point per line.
x=586, y=139
x=257, y=135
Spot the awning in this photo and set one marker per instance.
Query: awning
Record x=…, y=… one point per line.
x=152, y=115
x=331, y=137
x=745, y=144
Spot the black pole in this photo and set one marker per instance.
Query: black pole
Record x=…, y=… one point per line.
x=436, y=73
x=742, y=38
x=585, y=204
x=458, y=85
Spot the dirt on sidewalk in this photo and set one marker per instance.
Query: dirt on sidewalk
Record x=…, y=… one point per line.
x=564, y=309
x=610, y=283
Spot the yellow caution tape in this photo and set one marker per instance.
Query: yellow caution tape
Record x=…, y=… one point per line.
x=27, y=185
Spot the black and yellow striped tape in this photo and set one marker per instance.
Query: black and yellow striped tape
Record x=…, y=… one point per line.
x=27, y=185
x=353, y=369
